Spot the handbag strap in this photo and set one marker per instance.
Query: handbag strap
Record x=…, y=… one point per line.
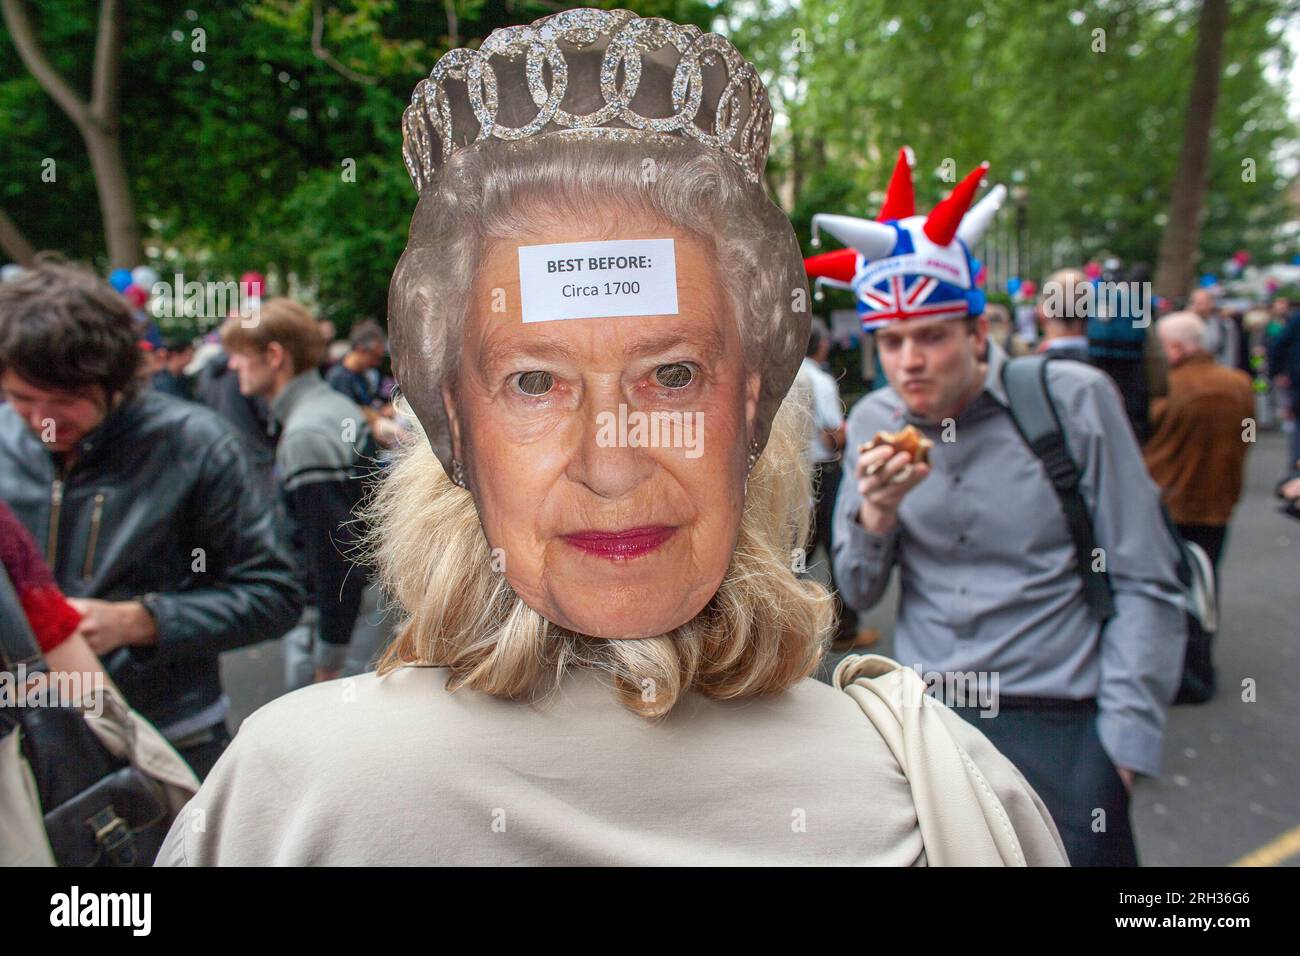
x=962, y=821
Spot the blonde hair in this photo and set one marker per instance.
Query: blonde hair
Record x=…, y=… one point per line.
x=764, y=630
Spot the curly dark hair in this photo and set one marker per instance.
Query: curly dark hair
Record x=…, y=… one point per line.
x=64, y=328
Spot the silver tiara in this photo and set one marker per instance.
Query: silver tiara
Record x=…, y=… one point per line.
x=610, y=74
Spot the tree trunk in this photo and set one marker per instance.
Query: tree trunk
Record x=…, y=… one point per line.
x=1180, y=244
x=796, y=166
x=13, y=242
x=120, y=231
x=96, y=120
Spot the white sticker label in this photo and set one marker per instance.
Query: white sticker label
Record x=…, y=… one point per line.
x=584, y=280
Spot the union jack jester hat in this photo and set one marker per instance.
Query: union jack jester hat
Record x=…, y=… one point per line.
x=904, y=266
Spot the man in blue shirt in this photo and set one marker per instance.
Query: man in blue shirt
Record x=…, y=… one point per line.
x=357, y=377
x=367, y=346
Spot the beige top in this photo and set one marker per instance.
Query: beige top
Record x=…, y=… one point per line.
x=399, y=771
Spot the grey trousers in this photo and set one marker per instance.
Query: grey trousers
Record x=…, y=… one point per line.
x=370, y=637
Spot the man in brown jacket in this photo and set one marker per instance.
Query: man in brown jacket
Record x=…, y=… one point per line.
x=1200, y=433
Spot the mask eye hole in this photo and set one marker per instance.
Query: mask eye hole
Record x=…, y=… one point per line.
x=676, y=375
x=535, y=383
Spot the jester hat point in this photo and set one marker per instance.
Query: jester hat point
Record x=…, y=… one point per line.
x=903, y=266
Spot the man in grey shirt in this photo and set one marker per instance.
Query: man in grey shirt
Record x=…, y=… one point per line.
x=989, y=577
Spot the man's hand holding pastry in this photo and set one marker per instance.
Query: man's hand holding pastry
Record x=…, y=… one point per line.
x=889, y=466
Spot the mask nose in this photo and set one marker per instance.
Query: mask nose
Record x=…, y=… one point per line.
x=603, y=461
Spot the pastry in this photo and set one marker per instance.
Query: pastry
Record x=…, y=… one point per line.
x=908, y=439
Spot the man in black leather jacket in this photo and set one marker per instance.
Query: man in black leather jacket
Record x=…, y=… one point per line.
x=142, y=502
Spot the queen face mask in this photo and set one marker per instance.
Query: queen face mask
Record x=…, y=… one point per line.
x=607, y=454
x=599, y=310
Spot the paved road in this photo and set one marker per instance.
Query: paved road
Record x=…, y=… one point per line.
x=1231, y=783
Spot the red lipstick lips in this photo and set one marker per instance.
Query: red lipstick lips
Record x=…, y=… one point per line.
x=620, y=545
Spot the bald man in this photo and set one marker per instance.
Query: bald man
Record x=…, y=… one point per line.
x=1065, y=327
x=1222, y=334
x=1197, y=451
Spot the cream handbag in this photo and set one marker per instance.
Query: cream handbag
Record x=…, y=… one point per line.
x=962, y=820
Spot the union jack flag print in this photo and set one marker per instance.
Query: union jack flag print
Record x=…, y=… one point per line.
x=908, y=297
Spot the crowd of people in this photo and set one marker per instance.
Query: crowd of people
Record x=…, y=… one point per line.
x=190, y=506
x=189, y=503
x=983, y=591
x=175, y=540
x=164, y=503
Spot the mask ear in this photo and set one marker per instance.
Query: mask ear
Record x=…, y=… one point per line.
x=453, y=422
x=753, y=386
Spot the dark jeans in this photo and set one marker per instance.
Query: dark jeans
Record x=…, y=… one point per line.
x=1055, y=745
x=1131, y=379
x=1208, y=536
x=202, y=755
x=828, y=478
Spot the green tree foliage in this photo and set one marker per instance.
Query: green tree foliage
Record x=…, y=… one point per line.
x=1081, y=102
x=236, y=151
x=245, y=149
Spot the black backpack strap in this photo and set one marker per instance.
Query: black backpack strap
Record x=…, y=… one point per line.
x=1035, y=417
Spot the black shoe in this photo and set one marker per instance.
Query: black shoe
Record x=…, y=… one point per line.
x=1195, y=690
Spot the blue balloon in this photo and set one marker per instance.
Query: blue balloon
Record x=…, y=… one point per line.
x=119, y=279
x=1209, y=279
x=1013, y=285
x=1295, y=259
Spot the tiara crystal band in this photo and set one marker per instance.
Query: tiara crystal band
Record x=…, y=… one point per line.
x=655, y=79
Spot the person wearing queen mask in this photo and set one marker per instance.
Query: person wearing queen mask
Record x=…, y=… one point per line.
x=606, y=652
